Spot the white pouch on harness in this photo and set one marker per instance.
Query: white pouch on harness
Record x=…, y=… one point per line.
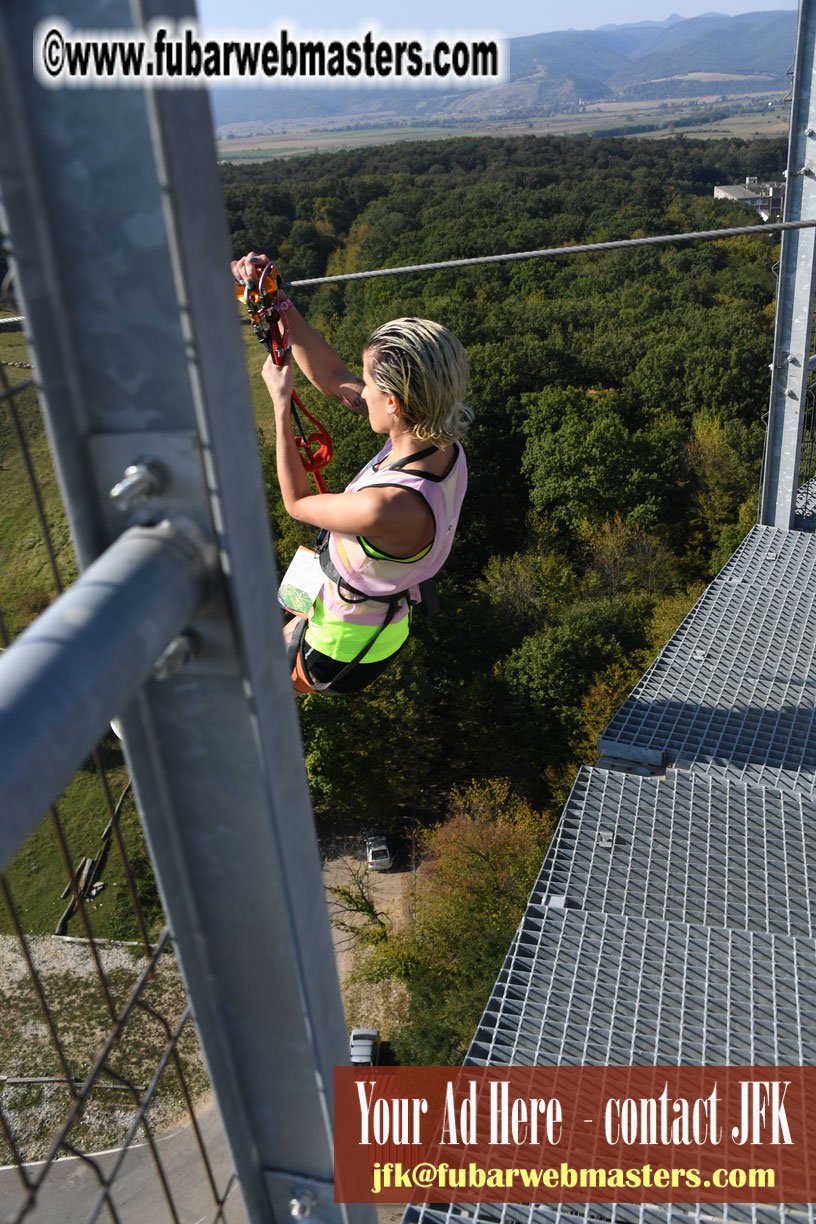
x=302, y=582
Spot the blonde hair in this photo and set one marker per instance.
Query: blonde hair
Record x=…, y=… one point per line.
x=425, y=367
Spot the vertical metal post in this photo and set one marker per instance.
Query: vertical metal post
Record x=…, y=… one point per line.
x=795, y=295
x=120, y=250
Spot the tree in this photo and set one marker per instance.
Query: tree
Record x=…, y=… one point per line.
x=624, y=557
x=617, y=399
x=552, y=669
x=477, y=872
x=353, y=909
x=723, y=459
x=585, y=461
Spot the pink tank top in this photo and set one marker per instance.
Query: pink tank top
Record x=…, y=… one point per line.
x=382, y=576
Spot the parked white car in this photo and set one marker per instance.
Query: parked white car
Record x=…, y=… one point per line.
x=364, y=1047
x=378, y=852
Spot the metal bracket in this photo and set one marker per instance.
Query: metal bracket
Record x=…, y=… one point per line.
x=297, y=1195
x=180, y=487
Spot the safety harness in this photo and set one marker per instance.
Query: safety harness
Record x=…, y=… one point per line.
x=267, y=307
x=421, y=596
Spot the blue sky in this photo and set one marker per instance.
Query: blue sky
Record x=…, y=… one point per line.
x=509, y=18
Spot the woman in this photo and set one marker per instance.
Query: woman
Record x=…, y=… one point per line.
x=393, y=526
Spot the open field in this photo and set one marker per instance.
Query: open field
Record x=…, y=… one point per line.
x=750, y=115
x=297, y=140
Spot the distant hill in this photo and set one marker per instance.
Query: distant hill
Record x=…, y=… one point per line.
x=649, y=60
x=752, y=43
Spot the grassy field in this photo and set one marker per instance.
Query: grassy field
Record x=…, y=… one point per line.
x=37, y=875
x=751, y=115
x=28, y=583
x=292, y=143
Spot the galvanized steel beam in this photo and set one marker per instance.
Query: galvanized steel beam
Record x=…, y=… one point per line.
x=74, y=668
x=795, y=294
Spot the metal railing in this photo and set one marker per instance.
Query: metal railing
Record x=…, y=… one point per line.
x=795, y=293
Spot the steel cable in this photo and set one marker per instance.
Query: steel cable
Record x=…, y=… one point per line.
x=551, y=252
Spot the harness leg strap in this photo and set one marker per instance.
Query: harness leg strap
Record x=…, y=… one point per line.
x=294, y=644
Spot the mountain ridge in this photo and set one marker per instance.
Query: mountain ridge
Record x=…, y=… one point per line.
x=643, y=60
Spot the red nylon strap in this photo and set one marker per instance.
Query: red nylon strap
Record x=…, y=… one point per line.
x=267, y=313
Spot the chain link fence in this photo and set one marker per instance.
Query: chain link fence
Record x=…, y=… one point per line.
x=98, y=1050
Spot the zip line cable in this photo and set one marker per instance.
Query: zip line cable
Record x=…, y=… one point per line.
x=550, y=252
x=546, y=253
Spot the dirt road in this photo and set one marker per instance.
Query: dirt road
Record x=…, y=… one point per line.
x=380, y=1004
x=376, y=1005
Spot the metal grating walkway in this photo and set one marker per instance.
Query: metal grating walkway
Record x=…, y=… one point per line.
x=604, y=1213
x=735, y=688
x=685, y=848
x=603, y=989
x=674, y=917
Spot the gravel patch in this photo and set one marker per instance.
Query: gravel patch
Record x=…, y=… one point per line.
x=67, y=972
x=54, y=955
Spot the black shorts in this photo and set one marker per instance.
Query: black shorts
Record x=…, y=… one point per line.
x=322, y=669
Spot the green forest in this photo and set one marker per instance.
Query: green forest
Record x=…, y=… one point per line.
x=614, y=466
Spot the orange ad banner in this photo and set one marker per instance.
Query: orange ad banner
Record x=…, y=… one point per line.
x=575, y=1134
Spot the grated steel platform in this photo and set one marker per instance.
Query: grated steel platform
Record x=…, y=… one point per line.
x=604, y=989
x=687, y=848
x=734, y=690
x=674, y=917
x=606, y=1213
